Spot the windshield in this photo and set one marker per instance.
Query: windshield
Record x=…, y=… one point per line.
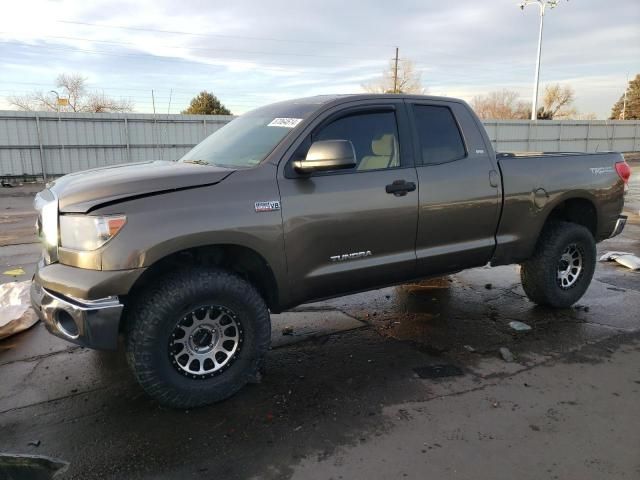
x=247, y=140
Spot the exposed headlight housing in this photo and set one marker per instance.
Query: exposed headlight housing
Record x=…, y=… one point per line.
x=88, y=232
x=49, y=218
x=46, y=204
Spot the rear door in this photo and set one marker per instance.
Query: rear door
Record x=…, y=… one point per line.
x=343, y=230
x=459, y=202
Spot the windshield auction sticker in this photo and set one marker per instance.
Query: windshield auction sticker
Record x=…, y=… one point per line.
x=285, y=122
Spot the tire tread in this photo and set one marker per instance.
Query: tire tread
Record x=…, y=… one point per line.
x=145, y=318
x=537, y=274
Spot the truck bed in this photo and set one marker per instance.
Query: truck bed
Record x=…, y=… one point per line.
x=536, y=183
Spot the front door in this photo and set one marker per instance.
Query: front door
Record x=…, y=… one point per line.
x=353, y=229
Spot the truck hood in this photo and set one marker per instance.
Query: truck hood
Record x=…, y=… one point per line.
x=83, y=191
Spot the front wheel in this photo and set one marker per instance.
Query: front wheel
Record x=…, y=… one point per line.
x=197, y=336
x=562, y=265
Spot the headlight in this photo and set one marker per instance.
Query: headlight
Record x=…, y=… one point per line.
x=87, y=232
x=49, y=213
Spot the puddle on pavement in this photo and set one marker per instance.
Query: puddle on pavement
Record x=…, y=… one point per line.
x=428, y=314
x=30, y=467
x=464, y=314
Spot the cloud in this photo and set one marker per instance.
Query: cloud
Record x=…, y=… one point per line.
x=251, y=52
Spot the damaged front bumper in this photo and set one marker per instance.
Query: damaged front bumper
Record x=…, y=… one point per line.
x=90, y=323
x=81, y=305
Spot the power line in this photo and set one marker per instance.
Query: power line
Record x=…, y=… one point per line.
x=143, y=101
x=92, y=86
x=275, y=65
x=196, y=34
x=202, y=49
x=202, y=61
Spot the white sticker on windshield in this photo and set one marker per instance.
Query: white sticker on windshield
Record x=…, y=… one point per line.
x=285, y=122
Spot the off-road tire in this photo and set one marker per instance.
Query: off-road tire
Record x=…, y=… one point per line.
x=153, y=316
x=539, y=274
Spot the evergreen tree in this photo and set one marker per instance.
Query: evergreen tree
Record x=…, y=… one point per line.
x=206, y=103
x=632, y=108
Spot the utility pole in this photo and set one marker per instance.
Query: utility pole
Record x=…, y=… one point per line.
x=395, y=73
x=155, y=123
x=542, y=4
x=58, y=103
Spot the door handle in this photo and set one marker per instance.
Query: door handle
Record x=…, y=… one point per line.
x=400, y=187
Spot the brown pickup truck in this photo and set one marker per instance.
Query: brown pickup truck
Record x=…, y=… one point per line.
x=298, y=201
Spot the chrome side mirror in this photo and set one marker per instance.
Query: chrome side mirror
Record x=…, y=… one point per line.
x=327, y=155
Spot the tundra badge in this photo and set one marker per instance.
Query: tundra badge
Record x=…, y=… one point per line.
x=350, y=256
x=270, y=206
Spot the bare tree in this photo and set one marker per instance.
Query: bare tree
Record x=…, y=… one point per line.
x=505, y=104
x=585, y=116
x=100, y=103
x=409, y=79
x=557, y=102
x=73, y=88
x=24, y=102
x=500, y=105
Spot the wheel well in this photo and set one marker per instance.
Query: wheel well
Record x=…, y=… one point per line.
x=241, y=260
x=576, y=210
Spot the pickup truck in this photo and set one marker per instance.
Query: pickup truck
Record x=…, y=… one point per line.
x=299, y=201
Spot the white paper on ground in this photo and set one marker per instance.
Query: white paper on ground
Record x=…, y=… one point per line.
x=16, y=313
x=626, y=259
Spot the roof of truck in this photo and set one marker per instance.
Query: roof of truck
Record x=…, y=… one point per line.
x=322, y=99
x=300, y=107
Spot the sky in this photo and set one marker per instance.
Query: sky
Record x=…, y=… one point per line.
x=253, y=52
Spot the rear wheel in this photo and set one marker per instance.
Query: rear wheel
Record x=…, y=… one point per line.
x=562, y=265
x=197, y=336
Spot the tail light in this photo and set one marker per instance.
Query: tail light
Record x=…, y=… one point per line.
x=624, y=171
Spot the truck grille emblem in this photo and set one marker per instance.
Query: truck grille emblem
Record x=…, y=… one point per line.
x=350, y=256
x=270, y=206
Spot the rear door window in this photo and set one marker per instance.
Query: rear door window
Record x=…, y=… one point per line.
x=438, y=134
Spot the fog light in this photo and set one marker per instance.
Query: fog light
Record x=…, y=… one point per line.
x=66, y=324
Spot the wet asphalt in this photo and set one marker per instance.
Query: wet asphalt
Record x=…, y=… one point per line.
x=343, y=397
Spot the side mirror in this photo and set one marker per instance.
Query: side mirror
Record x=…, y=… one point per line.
x=327, y=155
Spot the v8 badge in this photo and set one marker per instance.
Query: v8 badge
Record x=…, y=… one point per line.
x=270, y=206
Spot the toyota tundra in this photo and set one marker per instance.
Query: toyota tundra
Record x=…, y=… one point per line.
x=299, y=201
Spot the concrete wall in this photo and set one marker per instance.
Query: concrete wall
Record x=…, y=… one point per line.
x=32, y=143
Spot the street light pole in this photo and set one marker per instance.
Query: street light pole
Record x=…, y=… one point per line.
x=542, y=4
x=534, y=101
x=57, y=100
